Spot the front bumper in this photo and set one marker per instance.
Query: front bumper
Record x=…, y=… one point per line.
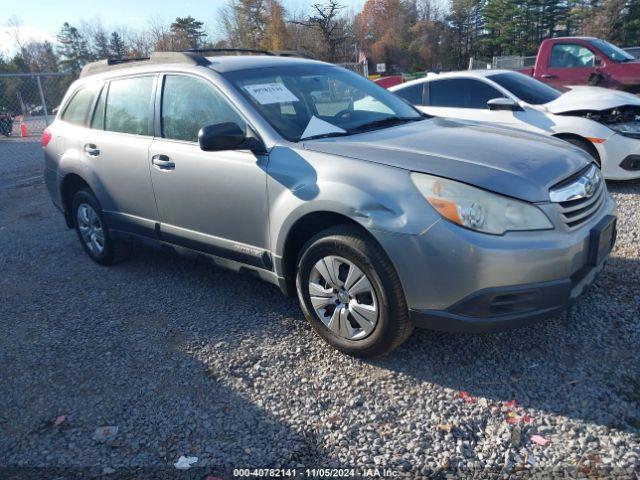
x=619, y=157
x=458, y=280
x=504, y=308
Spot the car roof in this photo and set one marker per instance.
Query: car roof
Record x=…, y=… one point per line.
x=232, y=63
x=459, y=74
x=555, y=39
x=218, y=63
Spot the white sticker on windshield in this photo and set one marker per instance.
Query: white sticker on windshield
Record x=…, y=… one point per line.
x=317, y=126
x=268, y=93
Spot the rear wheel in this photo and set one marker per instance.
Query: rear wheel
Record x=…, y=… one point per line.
x=92, y=231
x=351, y=294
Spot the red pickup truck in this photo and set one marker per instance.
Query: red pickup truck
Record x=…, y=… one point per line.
x=565, y=61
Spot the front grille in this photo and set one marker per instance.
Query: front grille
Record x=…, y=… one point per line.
x=577, y=212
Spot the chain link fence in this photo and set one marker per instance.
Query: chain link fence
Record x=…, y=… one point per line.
x=29, y=102
x=359, y=68
x=512, y=62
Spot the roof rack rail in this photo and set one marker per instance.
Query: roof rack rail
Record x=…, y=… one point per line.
x=293, y=53
x=274, y=53
x=187, y=58
x=118, y=61
x=230, y=50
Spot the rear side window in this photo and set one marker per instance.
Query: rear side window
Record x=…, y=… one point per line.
x=461, y=93
x=412, y=94
x=128, y=107
x=78, y=108
x=190, y=103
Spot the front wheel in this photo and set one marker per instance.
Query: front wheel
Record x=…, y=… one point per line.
x=351, y=294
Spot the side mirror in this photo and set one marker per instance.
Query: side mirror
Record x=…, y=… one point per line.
x=503, y=104
x=221, y=136
x=597, y=61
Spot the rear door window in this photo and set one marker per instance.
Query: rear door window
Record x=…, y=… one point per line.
x=461, y=93
x=78, y=108
x=128, y=108
x=412, y=94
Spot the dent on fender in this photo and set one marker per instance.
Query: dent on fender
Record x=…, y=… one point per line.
x=337, y=178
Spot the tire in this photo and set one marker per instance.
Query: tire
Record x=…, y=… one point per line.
x=584, y=145
x=343, y=304
x=91, y=227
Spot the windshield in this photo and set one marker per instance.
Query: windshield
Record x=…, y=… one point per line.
x=314, y=101
x=614, y=53
x=527, y=89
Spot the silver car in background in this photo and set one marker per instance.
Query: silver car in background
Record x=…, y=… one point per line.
x=313, y=178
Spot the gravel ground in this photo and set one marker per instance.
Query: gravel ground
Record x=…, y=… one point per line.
x=186, y=359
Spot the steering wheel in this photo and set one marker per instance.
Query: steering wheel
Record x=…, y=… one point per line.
x=343, y=114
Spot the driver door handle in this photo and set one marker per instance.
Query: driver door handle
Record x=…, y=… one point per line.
x=549, y=75
x=163, y=162
x=91, y=150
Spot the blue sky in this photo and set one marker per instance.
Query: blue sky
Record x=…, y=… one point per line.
x=48, y=15
x=41, y=19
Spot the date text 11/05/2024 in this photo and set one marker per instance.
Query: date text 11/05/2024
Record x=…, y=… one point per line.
x=315, y=473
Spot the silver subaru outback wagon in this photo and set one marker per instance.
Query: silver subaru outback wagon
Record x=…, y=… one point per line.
x=315, y=179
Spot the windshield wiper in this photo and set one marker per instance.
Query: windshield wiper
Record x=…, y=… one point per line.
x=384, y=122
x=325, y=135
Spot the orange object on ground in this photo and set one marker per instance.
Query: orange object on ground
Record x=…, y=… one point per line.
x=23, y=127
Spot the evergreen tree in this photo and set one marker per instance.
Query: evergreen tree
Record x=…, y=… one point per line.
x=100, y=44
x=73, y=50
x=117, y=48
x=187, y=32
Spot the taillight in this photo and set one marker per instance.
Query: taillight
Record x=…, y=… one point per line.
x=46, y=137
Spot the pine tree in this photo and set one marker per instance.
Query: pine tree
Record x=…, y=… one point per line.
x=117, y=48
x=100, y=44
x=187, y=32
x=73, y=50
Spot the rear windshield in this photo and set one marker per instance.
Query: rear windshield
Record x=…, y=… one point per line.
x=527, y=89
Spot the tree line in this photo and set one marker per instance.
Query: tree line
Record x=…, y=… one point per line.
x=406, y=35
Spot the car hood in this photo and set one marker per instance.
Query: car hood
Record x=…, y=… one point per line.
x=504, y=160
x=580, y=98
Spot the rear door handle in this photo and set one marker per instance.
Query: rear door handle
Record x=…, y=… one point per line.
x=548, y=75
x=91, y=150
x=163, y=162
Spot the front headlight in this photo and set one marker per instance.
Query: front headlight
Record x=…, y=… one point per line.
x=627, y=129
x=478, y=209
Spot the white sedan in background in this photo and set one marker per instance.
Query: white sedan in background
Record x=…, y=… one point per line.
x=605, y=123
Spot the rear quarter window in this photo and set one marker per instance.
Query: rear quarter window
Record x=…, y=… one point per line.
x=77, y=110
x=412, y=94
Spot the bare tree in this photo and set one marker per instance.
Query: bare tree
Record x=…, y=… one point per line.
x=325, y=19
x=15, y=24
